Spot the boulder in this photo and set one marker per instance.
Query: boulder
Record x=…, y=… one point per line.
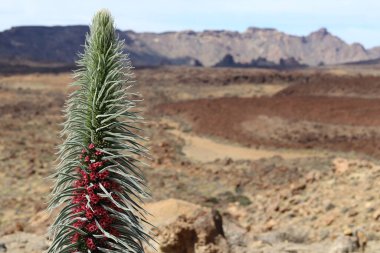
x=187, y=228
x=345, y=244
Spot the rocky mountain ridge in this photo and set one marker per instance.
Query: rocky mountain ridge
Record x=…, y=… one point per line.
x=255, y=47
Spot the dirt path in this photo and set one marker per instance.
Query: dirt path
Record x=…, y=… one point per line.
x=204, y=149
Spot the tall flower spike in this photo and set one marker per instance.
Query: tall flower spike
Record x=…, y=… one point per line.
x=98, y=182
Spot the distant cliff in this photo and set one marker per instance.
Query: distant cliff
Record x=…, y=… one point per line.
x=35, y=45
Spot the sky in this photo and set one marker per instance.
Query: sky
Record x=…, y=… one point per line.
x=351, y=20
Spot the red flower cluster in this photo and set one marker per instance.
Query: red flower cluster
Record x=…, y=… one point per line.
x=88, y=201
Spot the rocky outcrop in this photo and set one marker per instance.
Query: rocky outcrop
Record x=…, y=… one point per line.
x=210, y=47
x=229, y=61
x=183, y=227
x=253, y=48
x=186, y=227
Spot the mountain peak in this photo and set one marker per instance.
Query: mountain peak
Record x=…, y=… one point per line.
x=321, y=32
x=253, y=29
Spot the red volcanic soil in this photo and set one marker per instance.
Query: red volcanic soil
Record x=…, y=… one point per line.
x=329, y=85
x=337, y=123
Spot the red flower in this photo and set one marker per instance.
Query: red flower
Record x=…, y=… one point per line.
x=85, y=181
x=106, y=185
x=83, y=173
x=90, y=243
x=87, y=159
x=90, y=190
x=98, y=152
x=89, y=214
x=104, y=223
x=104, y=174
x=79, y=224
x=91, y=146
x=93, y=176
x=83, y=206
x=99, y=211
x=91, y=227
x=76, y=200
x=94, y=166
x=79, y=197
x=75, y=238
x=91, y=166
x=94, y=199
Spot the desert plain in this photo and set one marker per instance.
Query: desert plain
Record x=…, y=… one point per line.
x=287, y=158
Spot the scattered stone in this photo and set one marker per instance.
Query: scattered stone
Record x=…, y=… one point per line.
x=376, y=214
x=22, y=242
x=344, y=244
x=340, y=165
x=237, y=213
x=362, y=240
x=228, y=161
x=329, y=206
x=269, y=225
x=297, y=188
x=352, y=213
x=3, y=248
x=257, y=244
x=347, y=231
x=236, y=236
x=289, y=234
x=329, y=219
x=323, y=234
x=313, y=176
x=370, y=209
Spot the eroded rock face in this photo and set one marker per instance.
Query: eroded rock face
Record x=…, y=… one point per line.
x=180, y=238
x=210, y=47
x=195, y=234
x=256, y=47
x=188, y=228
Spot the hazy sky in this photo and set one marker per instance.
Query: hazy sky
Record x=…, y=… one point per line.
x=352, y=20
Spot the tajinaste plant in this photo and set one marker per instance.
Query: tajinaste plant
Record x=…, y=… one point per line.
x=98, y=182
